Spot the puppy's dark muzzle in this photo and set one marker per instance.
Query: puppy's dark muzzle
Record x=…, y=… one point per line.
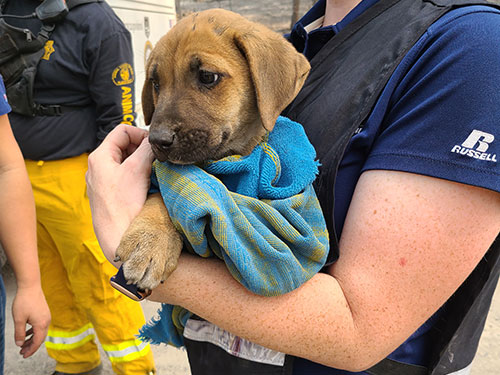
x=184, y=147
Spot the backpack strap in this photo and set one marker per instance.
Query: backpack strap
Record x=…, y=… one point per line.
x=20, y=53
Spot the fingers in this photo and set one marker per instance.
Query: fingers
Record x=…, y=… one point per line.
x=24, y=339
x=26, y=345
x=142, y=158
x=121, y=141
x=35, y=336
x=35, y=341
x=123, y=135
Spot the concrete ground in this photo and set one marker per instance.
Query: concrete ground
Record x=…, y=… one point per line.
x=169, y=360
x=172, y=361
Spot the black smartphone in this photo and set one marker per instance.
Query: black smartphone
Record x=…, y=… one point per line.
x=130, y=290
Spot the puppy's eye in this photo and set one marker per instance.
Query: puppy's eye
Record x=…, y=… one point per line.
x=208, y=78
x=156, y=86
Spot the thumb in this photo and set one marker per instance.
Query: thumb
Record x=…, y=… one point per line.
x=142, y=158
x=19, y=331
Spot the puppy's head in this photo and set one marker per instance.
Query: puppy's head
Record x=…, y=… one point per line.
x=215, y=83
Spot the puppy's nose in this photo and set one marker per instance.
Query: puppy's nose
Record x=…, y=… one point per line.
x=161, y=139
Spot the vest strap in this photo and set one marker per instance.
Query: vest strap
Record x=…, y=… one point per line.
x=53, y=110
x=8, y=48
x=391, y=367
x=44, y=33
x=74, y=3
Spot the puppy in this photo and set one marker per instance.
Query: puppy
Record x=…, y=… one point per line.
x=215, y=85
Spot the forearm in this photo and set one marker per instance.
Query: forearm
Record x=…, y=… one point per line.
x=313, y=321
x=18, y=225
x=125, y=156
x=392, y=274
x=109, y=231
x=405, y=248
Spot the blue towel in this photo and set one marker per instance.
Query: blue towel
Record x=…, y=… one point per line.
x=258, y=213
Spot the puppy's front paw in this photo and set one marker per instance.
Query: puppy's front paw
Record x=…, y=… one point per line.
x=149, y=254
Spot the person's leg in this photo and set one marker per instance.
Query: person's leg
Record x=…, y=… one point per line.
x=71, y=338
x=115, y=318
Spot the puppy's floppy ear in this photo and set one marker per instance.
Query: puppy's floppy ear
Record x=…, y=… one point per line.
x=278, y=71
x=148, y=105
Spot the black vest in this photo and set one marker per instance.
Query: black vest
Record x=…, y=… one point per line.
x=380, y=37
x=20, y=53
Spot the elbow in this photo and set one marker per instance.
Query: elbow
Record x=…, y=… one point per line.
x=357, y=363
x=361, y=364
x=360, y=353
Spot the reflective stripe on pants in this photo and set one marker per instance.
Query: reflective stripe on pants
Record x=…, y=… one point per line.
x=126, y=351
x=63, y=340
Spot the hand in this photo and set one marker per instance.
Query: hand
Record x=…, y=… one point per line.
x=117, y=183
x=30, y=307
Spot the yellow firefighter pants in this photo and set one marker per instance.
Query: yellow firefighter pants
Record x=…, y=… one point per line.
x=75, y=278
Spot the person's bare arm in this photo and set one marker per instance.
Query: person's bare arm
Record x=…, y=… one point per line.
x=18, y=236
x=408, y=243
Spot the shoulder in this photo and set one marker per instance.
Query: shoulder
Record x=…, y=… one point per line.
x=98, y=17
x=474, y=18
x=443, y=116
x=469, y=31
x=457, y=63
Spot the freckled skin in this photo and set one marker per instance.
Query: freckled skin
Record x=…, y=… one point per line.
x=366, y=305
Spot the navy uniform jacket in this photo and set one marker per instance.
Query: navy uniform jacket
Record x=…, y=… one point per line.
x=88, y=65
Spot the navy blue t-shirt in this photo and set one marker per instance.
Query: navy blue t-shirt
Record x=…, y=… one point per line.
x=4, y=103
x=437, y=116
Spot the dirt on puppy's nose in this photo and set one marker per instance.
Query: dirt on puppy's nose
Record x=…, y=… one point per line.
x=161, y=138
x=161, y=141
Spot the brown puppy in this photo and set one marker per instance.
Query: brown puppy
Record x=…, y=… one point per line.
x=215, y=85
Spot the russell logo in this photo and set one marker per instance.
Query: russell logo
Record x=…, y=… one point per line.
x=476, y=145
